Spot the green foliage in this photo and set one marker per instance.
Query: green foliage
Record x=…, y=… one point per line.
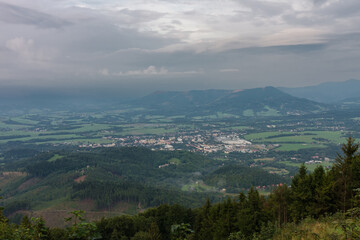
x=236, y=178
x=181, y=231
x=111, y=175
x=345, y=172
x=300, y=211
x=81, y=230
x=29, y=229
x=236, y=236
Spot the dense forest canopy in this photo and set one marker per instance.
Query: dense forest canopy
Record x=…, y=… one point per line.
x=248, y=216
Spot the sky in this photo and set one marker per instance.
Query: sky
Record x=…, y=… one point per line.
x=138, y=46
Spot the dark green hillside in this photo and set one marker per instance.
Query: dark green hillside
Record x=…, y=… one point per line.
x=137, y=176
x=328, y=92
x=236, y=178
x=263, y=100
x=267, y=101
x=108, y=176
x=323, y=204
x=180, y=101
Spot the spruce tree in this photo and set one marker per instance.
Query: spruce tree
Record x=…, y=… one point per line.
x=343, y=173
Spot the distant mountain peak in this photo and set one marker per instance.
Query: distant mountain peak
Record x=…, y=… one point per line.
x=327, y=92
x=242, y=102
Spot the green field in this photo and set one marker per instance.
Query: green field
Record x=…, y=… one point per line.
x=175, y=161
x=270, y=112
x=248, y=113
x=218, y=115
x=336, y=137
x=140, y=130
x=24, y=120
x=55, y=157
x=279, y=171
x=238, y=127
x=297, y=147
x=197, y=187
x=310, y=167
x=264, y=159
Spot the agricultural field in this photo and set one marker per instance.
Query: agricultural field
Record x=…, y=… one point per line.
x=336, y=137
x=294, y=141
x=273, y=139
x=310, y=167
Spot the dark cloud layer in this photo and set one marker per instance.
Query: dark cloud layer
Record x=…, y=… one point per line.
x=139, y=46
x=20, y=15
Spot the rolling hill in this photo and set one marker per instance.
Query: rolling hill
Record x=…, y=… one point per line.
x=107, y=179
x=328, y=92
x=267, y=101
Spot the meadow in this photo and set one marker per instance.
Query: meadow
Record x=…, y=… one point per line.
x=294, y=141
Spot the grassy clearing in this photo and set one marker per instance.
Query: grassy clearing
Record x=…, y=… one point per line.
x=177, y=116
x=263, y=192
x=43, y=139
x=16, y=133
x=77, y=141
x=270, y=112
x=55, y=157
x=248, y=113
x=197, y=187
x=154, y=116
x=24, y=120
x=307, y=137
x=218, y=115
x=297, y=147
x=90, y=128
x=264, y=159
x=175, y=161
x=11, y=126
x=310, y=167
x=205, y=117
x=279, y=171
x=147, y=130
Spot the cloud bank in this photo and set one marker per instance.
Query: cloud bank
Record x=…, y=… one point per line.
x=179, y=44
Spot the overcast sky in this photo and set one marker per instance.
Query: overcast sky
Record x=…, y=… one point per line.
x=138, y=46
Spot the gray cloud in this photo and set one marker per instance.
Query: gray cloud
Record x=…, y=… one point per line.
x=20, y=15
x=185, y=44
x=127, y=16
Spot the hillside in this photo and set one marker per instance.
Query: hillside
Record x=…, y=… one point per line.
x=103, y=178
x=181, y=100
x=323, y=204
x=328, y=92
x=267, y=101
x=236, y=178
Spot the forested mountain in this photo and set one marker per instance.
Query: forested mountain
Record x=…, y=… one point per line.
x=181, y=100
x=267, y=101
x=108, y=176
x=235, y=178
x=328, y=92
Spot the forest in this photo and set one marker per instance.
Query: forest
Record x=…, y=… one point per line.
x=134, y=175
x=330, y=196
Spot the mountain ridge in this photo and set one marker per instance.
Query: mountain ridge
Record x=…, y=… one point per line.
x=327, y=92
x=253, y=102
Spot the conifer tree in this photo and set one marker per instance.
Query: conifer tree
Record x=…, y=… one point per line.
x=301, y=194
x=343, y=173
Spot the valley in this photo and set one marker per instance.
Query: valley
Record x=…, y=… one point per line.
x=55, y=160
